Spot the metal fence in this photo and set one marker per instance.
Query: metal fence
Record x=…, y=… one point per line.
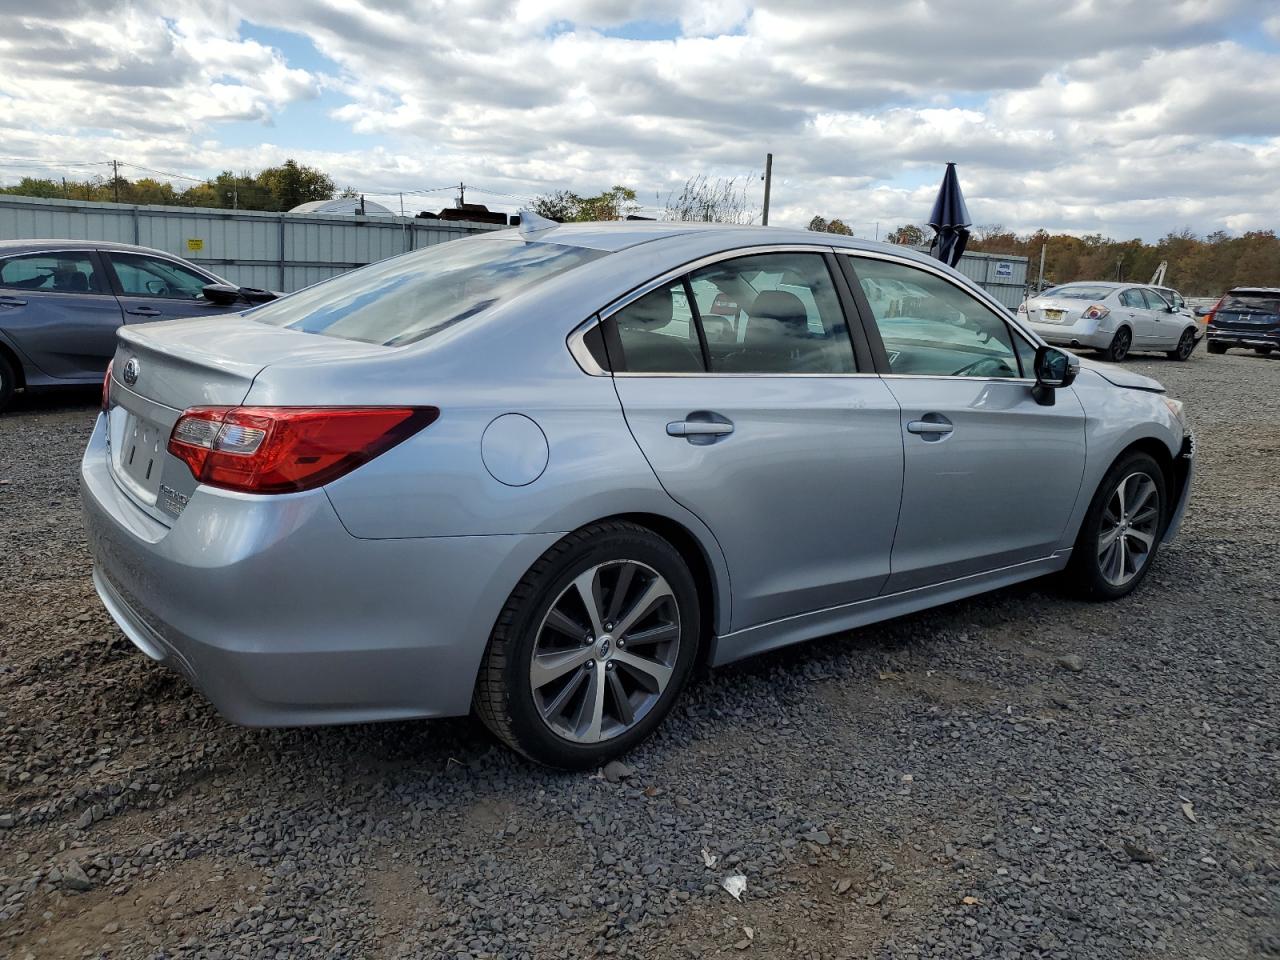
x=277, y=251
x=1004, y=277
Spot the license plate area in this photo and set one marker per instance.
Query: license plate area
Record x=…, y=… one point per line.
x=1054, y=316
x=138, y=449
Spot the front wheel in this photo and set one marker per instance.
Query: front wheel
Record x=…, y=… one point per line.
x=1121, y=532
x=1120, y=345
x=1215, y=347
x=592, y=648
x=1186, y=345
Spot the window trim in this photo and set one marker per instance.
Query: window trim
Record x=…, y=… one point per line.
x=872, y=332
x=583, y=356
x=118, y=288
x=91, y=253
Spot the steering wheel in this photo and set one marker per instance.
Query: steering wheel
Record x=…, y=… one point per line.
x=987, y=366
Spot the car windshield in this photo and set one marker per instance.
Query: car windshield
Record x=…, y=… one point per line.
x=1079, y=291
x=1252, y=302
x=407, y=298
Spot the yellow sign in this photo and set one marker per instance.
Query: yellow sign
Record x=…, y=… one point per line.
x=194, y=244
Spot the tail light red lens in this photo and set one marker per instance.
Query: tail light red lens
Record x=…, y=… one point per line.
x=286, y=449
x=1096, y=312
x=1212, y=314
x=106, y=387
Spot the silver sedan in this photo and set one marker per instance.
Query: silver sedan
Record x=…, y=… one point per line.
x=543, y=474
x=1115, y=318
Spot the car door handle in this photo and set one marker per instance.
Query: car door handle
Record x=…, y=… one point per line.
x=144, y=312
x=12, y=302
x=698, y=428
x=930, y=428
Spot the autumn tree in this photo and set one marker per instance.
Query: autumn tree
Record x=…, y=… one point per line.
x=823, y=225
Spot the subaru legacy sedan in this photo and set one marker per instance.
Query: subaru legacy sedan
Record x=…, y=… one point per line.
x=1114, y=318
x=543, y=474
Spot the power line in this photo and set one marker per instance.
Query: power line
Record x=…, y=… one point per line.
x=166, y=173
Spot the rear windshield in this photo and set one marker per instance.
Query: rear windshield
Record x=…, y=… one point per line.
x=407, y=298
x=1079, y=291
x=1252, y=303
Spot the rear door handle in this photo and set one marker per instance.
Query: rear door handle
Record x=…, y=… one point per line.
x=12, y=302
x=698, y=428
x=144, y=312
x=930, y=429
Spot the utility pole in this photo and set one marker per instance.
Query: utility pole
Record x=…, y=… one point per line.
x=115, y=178
x=768, y=184
x=1040, y=282
x=65, y=195
x=402, y=204
x=877, y=231
x=462, y=194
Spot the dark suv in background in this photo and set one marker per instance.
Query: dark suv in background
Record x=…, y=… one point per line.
x=1246, y=317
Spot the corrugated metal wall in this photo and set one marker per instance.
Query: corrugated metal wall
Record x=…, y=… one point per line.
x=277, y=251
x=1004, y=277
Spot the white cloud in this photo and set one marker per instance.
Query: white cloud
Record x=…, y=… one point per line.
x=1131, y=117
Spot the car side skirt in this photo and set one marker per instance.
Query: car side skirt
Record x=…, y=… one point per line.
x=781, y=633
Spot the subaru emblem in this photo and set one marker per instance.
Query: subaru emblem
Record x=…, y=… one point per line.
x=130, y=374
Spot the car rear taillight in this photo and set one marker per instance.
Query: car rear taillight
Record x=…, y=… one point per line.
x=1096, y=312
x=106, y=387
x=1212, y=314
x=286, y=449
x=1022, y=307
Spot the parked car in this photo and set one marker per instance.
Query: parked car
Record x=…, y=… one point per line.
x=1246, y=317
x=512, y=474
x=1114, y=318
x=61, y=302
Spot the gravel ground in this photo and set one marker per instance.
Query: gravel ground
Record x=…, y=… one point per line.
x=1020, y=775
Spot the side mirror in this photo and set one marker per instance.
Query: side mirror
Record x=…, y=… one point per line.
x=1054, y=368
x=223, y=294
x=257, y=295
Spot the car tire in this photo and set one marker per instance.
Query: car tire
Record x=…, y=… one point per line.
x=1186, y=346
x=1120, y=344
x=599, y=698
x=8, y=381
x=1102, y=565
x=1264, y=351
x=1214, y=347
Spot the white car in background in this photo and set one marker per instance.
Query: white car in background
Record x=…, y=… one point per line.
x=1114, y=318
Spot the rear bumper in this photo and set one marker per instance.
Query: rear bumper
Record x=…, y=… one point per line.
x=1245, y=338
x=1083, y=333
x=281, y=618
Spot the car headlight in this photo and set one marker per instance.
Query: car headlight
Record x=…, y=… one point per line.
x=1176, y=409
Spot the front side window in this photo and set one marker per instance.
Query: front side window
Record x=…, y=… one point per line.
x=930, y=327
x=143, y=276
x=409, y=297
x=1155, y=301
x=772, y=313
x=71, y=272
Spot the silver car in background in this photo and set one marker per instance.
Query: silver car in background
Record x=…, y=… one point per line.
x=1115, y=318
x=542, y=475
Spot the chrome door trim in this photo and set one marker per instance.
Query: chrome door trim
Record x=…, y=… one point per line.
x=1003, y=312
x=1025, y=381
x=588, y=364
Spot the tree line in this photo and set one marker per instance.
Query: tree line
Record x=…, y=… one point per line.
x=274, y=188
x=1198, y=266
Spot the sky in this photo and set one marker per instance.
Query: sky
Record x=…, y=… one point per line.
x=1131, y=118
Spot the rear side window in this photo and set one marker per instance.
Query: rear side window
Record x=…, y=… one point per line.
x=658, y=334
x=406, y=298
x=71, y=272
x=1133, y=298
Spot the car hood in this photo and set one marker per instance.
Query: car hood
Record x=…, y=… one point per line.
x=1120, y=377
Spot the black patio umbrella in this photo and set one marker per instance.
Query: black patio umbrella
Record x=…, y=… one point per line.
x=950, y=220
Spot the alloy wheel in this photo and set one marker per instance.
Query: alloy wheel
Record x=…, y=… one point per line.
x=1120, y=345
x=605, y=651
x=1130, y=522
x=1186, y=345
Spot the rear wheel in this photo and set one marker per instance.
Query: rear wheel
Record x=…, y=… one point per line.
x=1120, y=535
x=8, y=381
x=1120, y=345
x=1216, y=347
x=1265, y=351
x=1186, y=345
x=592, y=648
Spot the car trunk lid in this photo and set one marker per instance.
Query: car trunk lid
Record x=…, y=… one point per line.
x=161, y=369
x=1249, y=312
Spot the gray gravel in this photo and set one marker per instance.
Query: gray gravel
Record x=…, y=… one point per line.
x=1019, y=775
